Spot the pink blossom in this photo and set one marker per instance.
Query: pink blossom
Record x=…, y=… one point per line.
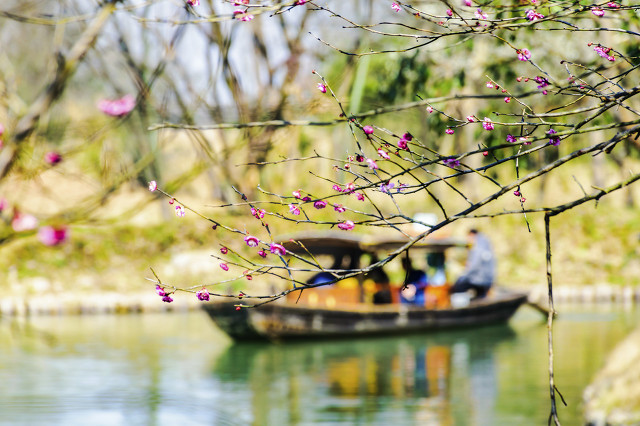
x=294, y=209
x=258, y=213
x=322, y=88
x=524, y=54
x=297, y=194
x=613, y=5
x=451, y=162
x=360, y=196
x=320, y=204
x=532, y=15
x=347, y=225
x=449, y=13
x=429, y=109
x=300, y=2
x=408, y=136
x=180, y=211
x=167, y=298
x=479, y=14
x=553, y=140
x=160, y=291
x=350, y=187
x=193, y=2
x=262, y=253
x=339, y=208
x=277, y=249
x=52, y=158
x=368, y=130
x=153, y=185
x=604, y=52
x=517, y=193
x=524, y=140
x=597, y=11
x=511, y=139
x=337, y=188
x=402, y=144
x=396, y=7
x=118, y=107
x=251, y=241
x=241, y=15
x=507, y=99
x=224, y=250
x=471, y=118
x=23, y=222
x=449, y=131
x=466, y=2
x=372, y=164
x=224, y=266
x=487, y=124
x=52, y=236
x=202, y=294
x=382, y=153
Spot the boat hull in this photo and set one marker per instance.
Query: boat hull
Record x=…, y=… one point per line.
x=280, y=321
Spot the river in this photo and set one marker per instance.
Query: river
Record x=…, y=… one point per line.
x=179, y=369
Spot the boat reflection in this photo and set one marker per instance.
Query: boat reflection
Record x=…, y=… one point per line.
x=404, y=379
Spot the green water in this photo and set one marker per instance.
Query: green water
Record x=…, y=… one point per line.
x=178, y=369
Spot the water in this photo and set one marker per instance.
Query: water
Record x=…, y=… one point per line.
x=178, y=369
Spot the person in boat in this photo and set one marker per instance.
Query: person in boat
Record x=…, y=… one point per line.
x=480, y=269
x=327, y=277
x=416, y=283
x=382, y=294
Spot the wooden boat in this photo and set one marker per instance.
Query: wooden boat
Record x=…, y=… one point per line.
x=331, y=312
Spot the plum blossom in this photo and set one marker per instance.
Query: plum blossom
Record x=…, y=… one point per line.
x=490, y=85
x=294, y=209
x=300, y=2
x=408, y=136
x=277, y=249
x=262, y=253
x=258, y=213
x=382, y=153
x=451, y=162
x=52, y=158
x=467, y=2
x=118, y=107
x=511, y=139
x=523, y=54
x=402, y=143
x=251, y=241
x=599, y=12
x=297, y=194
x=320, y=204
x=160, y=291
x=604, y=52
x=396, y=7
x=532, y=15
x=350, y=187
x=337, y=188
x=368, y=130
x=322, y=88
x=203, y=294
x=479, y=14
x=471, y=118
x=449, y=131
x=306, y=199
x=360, y=196
x=524, y=140
x=346, y=226
x=339, y=208
x=487, y=124
x=23, y=222
x=507, y=99
x=553, y=140
x=53, y=236
x=372, y=164
x=224, y=250
x=193, y=2
x=180, y=211
x=449, y=13
x=242, y=15
x=153, y=185
x=429, y=109
x=167, y=298
x=224, y=266
x=542, y=82
x=613, y=5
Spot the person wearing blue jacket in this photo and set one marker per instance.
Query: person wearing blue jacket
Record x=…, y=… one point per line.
x=480, y=269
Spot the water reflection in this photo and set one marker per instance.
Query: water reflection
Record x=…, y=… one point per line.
x=404, y=380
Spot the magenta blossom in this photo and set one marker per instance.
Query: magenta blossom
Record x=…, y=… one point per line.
x=251, y=241
x=471, y=118
x=507, y=99
x=153, y=185
x=50, y=236
x=339, y=208
x=396, y=7
x=242, y=16
x=553, y=140
x=408, y=136
x=449, y=131
x=167, y=298
x=524, y=140
x=382, y=153
x=180, y=211
x=322, y=88
x=203, y=294
x=368, y=130
x=490, y=85
x=160, y=291
x=604, y=52
x=403, y=144
x=119, y=107
x=320, y=204
x=523, y=54
x=224, y=250
x=297, y=194
x=479, y=14
x=193, y=2
x=277, y=249
x=511, y=139
x=262, y=253
x=467, y=2
x=360, y=196
x=487, y=124
x=346, y=226
x=224, y=266
x=451, y=162
x=532, y=15
x=599, y=12
x=294, y=209
x=350, y=187
x=429, y=109
x=337, y=188
x=258, y=213
x=372, y=164
x=449, y=13
x=52, y=158
x=613, y=5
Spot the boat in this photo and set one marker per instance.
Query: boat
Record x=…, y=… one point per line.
x=334, y=312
